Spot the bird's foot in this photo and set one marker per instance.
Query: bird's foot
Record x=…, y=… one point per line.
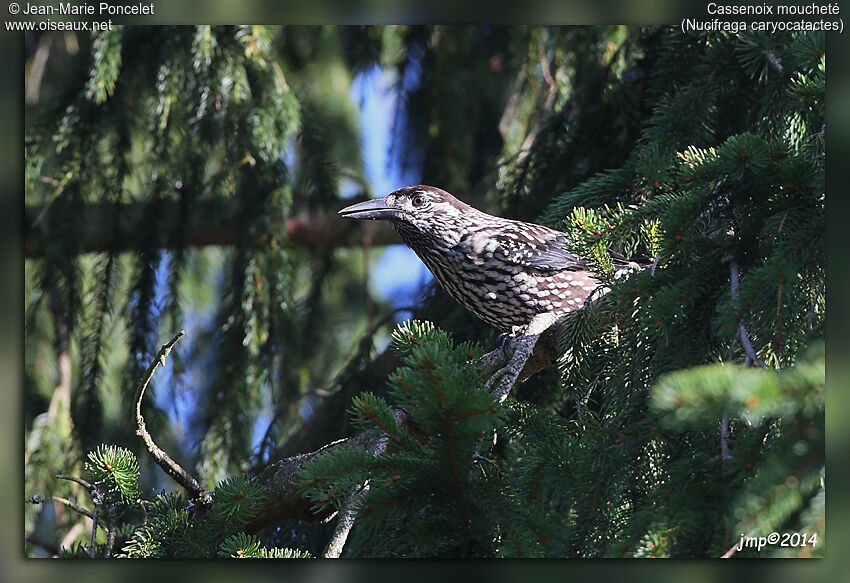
x=506, y=340
x=521, y=343
x=502, y=381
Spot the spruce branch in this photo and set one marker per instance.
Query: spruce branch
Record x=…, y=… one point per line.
x=112, y=520
x=333, y=549
x=102, y=505
x=210, y=223
x=163, y=460
x=283, y=499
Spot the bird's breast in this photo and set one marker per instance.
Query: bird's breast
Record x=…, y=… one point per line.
x=502, y=293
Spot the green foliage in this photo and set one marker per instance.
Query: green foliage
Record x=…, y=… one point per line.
x=172, y=529
x=706, y=392
x=236, y=500
x=789, y=407
x=629, y=460
x=427, y=496
x=703, y=153
x=167, y=525
x=106, y=54
x=246, y=546
x=711, y=181
x=115, y=471
x=241, y=546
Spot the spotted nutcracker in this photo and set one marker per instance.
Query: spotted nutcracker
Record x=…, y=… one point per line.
x=516, y=276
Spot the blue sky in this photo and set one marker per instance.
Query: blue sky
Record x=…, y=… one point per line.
x=398, y=276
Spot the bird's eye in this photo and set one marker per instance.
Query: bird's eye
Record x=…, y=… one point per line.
x=418, y=200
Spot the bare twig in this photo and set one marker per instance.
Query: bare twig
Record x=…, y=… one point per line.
x=87, y=485
x=99, y=501
x=730, y=553
x=36, y=499
x=813, y=308
x=93, y=548
x=544, y=66
x=551, y=94
x=724, y=439
x=345, y=523
x=748, y=346
x=110, y=534
x=751, y=355
x=742, y=331
x=163, y=460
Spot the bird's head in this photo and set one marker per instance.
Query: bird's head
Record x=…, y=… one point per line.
x=421, y=207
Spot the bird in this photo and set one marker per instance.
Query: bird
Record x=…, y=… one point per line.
x=516, y=276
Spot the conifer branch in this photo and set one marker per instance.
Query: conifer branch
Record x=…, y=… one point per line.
x=112, y=519
x=333, y=549
x=209, y=223
x=283, y=500
x=163, y=460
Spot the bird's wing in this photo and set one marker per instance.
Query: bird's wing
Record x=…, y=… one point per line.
x=537, y=247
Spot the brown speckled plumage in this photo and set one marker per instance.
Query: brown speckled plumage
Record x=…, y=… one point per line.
x=506, y=272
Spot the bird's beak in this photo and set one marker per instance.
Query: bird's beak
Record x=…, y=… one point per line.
x=377, y=208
